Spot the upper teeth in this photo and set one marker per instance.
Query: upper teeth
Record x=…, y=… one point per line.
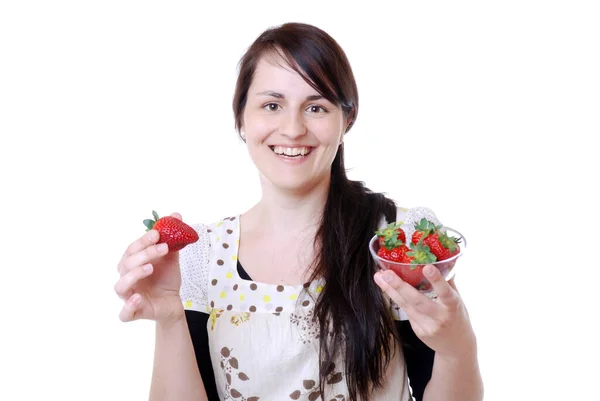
x=280, y=150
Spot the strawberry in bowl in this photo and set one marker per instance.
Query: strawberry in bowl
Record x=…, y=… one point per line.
x=429, y=244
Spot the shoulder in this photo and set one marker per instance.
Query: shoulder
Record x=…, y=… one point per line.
x=195, y=259
x=223, y=231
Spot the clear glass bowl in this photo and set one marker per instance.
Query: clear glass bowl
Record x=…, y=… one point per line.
x=415, y=275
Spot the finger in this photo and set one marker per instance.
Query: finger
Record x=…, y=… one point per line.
x=143, y=257
x=131, y=308
x=404, y=295
x=124, y=286
x=146, y=240
x=443, y=289
x=176, y=215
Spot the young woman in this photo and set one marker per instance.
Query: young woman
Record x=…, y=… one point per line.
x=284, y=301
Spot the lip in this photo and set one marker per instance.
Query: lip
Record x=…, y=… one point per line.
x=291, y=146
x=292, y=160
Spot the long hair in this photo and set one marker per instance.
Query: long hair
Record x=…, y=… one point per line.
x=355, y=320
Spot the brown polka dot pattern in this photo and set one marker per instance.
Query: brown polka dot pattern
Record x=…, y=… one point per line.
x=229, y=292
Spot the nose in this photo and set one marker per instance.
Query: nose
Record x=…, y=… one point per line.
x=293, y=125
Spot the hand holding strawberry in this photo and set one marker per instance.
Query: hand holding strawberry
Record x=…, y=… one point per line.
x=150, y=277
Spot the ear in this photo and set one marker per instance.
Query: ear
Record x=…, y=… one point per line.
x=349, y=120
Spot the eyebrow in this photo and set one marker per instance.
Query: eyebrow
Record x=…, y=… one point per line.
x=281, y=96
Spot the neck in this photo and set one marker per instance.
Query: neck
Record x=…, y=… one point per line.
x=300, y=209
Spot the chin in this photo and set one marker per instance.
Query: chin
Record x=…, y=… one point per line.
x=293, y=182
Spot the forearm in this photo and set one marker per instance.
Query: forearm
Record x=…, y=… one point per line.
x=455, y=379
x=175, y=375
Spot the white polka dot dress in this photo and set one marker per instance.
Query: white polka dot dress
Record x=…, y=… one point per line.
x=263, y=341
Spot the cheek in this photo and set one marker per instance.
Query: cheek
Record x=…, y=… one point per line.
x=257, y=127
x=329, y=132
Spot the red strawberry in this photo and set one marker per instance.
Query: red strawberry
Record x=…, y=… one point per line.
x=174, y=232
x=390, y=241
x=423, y=229
x=383, y=253
x=417, y=257
x=398, y=254
x=413, y=275
x=439, y=243
x=442, y=245
x=390, y=233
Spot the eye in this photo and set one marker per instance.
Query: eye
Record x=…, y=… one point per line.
x=316, y=109
x=271, y=107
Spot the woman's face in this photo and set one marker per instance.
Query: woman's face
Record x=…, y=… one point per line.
x=292, y=133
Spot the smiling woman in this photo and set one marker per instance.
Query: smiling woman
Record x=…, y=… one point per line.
x=284, y=301
x=284, y=115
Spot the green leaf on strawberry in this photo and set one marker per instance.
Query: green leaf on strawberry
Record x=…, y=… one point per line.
x=420, y=254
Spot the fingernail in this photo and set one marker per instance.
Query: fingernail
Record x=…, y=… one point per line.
x=152, y=235
x=387, y=277
x=135, y=298
x=162, y=247
x=428, y=270
x=147, y=268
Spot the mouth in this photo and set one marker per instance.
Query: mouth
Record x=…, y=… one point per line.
x=292, y=153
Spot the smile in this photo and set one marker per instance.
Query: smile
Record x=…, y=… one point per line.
x=296, y=152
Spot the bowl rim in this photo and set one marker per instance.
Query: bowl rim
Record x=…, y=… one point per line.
x=380, y=259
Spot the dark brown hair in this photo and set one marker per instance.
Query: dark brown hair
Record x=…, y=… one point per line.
x=354, y=318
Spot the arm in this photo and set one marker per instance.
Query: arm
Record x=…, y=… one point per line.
x=181, y=348
x=175, y=375
x=444, y=326
x=455, y=378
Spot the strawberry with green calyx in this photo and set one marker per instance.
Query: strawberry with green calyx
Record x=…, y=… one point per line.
x=423, y=229
x=443, y=246
x=174, y=232
x=420, y=254
x=398, y=254
x=389, y=234
x=417, y=258
x=390, y=245
x=438, y=241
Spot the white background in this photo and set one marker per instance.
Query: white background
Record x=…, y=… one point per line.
x=483, y=112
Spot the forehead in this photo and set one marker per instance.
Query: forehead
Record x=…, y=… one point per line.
x=274, y=74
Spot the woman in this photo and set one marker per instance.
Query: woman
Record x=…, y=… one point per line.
x=284, y=300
